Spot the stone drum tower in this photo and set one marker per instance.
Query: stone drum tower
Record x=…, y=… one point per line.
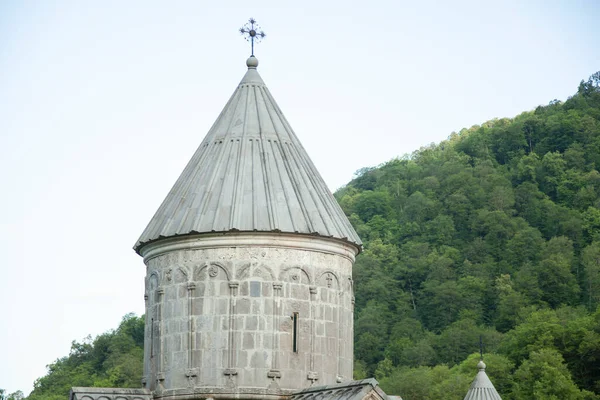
x=249, y=265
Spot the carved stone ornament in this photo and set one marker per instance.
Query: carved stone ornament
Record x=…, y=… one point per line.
x=169, y=276
x=312, y=377
x=213, y=271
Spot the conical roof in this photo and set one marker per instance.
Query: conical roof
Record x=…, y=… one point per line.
x=482, y=388
x=250, y=174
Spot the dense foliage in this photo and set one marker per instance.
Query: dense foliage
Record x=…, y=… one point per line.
x=493, y=233
x=113, y=359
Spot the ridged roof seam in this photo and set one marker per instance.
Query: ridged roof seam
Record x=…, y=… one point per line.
x=290, y=133
x=291, y=174
x=254, y=192
x=212, y=178
x=298, y=190
x=325, y=200
x=302, y=175
x=202, y=187
x=234, y=217
x=336, y=212
x=227, y=150
x=284, y=162
x=284, y=188
x=265, y=169
x=192, y=179
x=152, y=226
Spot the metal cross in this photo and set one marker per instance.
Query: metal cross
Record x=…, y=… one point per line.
x=481, y=347
x=251, y=32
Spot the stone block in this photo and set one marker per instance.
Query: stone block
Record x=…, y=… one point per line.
x=198, y=305
x=243, y=306
x=244, y=289
x=175, y=343
x=182, y=291
x=200, y=289
x=267, y=307
x=320, y=329
x=258, y=359
x=267, y=340
x=248, y=341
x=256, y=306
x=251, y=323
x=255, y=289
x=332, y=348
x=224, y=289
x=264, y=323
x=238, y=322
x=241, y=358
x=267, y=289
x=223, y=306
x=327, y=314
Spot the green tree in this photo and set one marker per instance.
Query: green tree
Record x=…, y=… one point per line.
x=591, y=264
x=544, y=376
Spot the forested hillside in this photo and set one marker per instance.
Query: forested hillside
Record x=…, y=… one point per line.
x=493, y=233
x=113, y=359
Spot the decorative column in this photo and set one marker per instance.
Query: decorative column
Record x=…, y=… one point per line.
x=160, y=376
x=230, y=371
x=275, y=373
x=340, y=304
x=191, y=372
x=312, y=376
x=146, y=344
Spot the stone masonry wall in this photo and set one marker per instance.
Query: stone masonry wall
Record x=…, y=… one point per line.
x=221, y=320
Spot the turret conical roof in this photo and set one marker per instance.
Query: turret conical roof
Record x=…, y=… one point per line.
x=482, y=388
x=250, y=174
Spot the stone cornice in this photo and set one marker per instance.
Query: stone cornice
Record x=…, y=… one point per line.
x=249, y=239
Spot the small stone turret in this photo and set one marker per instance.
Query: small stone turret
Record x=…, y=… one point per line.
x=482, y=388
x=249, y=265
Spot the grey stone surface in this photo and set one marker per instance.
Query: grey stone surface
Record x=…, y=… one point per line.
x=233, y=324
x=366, y=389
x=86, y=393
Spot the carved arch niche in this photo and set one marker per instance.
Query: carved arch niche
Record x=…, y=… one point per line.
x=296, y=283
x=212, y=309
x=178, y=277
x=329, y=287
x=255, y=281
x=296, y=300
x=212, y=279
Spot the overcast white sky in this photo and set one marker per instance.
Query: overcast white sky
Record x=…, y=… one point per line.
x=103, y=103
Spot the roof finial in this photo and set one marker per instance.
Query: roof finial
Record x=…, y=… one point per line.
x=251, y=32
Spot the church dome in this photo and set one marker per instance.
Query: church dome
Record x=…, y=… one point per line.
x=250, y=174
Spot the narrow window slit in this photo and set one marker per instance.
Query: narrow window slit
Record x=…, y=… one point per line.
x=152, y=338
x=295, y=333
